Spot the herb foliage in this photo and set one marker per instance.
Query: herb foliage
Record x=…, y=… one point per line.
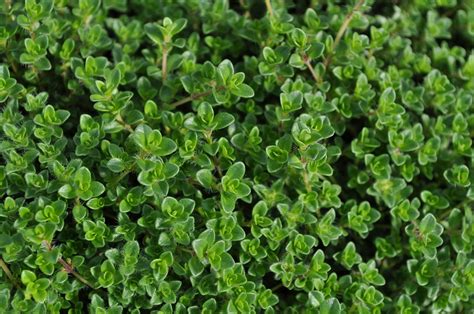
x=198, y=156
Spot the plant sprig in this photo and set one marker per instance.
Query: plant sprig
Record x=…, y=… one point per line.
x=236, y=156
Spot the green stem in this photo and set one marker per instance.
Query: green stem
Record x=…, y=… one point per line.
x=307, y=62
x=120, y=120
x=277, y=287
x=342, y=30
x=8, y=273
x=306, y=181
x=445, y=214
x=187, y=250
x=313, y=73
x=68, y=267
x=164, y=62
x=191, y=98
x=122, y=175
x=195, y=96
x=217, y=165
x=130, y=168
x=268, y=4
x=70, y=270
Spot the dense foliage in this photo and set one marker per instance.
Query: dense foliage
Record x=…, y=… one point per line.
x=252, y=156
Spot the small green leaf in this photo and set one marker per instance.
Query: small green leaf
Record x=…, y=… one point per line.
x=205, y=178
x=236, y=171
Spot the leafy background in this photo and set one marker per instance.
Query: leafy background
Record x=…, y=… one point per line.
x=236, y=156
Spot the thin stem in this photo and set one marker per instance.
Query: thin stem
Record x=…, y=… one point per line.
x=186, y=250
x=217, y=165
x=70, y=270
x=164, y=63
x=130, y=168
x=307, y=61
x=277, y=287
x=123, y=175
x=10, y=59
x=120, y=120
x=8, y=273
x=208, y=136
x=268, y=4
x=313, y=73
x=445, y=214
x=193, y=97
x=68, y=267
x=87, y=20
x=306, y=181
x=342, y=30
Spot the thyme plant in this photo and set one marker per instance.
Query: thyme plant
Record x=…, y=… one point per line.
x=252, y=156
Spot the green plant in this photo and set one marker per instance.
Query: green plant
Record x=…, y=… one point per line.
x=249, y=156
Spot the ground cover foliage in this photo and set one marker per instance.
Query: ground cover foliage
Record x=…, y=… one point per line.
x=274, y=156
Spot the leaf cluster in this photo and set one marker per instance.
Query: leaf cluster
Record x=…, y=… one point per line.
x=248, y=156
